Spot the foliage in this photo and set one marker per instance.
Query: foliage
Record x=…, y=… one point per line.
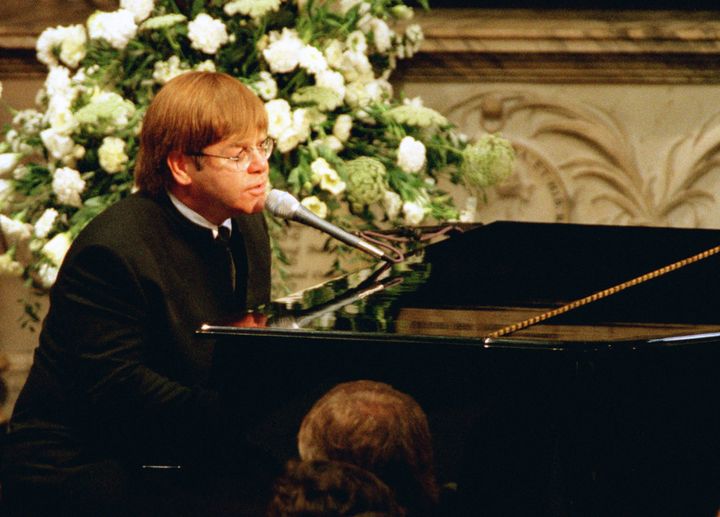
x=346, y=146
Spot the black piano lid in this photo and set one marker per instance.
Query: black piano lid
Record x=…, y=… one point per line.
x=472, y=284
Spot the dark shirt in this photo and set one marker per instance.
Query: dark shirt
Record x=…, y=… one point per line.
x=119, y=374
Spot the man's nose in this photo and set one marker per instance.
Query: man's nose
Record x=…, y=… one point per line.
x=258, y=161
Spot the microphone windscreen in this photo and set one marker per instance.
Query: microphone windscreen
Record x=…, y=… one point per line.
x=281, y=204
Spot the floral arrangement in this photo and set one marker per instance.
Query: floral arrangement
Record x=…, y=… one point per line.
x=351, y=150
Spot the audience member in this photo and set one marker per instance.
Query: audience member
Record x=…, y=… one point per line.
x=330, y=489
x=380, y=429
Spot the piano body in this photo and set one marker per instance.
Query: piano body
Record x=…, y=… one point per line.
x=611, y=408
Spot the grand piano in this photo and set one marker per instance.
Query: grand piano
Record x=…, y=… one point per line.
x=537, y=405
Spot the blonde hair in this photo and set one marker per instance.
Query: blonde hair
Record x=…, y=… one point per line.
x=190, y=112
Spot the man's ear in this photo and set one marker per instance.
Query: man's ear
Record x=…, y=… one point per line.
x=178, y=165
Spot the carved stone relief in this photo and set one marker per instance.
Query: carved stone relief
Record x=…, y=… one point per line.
x=625, y=154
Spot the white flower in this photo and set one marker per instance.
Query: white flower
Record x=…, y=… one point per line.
x=312, y=60
x=141, y=9
x=45, y=222
x=8, y=162
x=206, y=66
x=392, y=203
x=342, y=127
x=58, y=144
x=58, y=83
x=163, y=71
x=207, y=34
x=332, y=183
x=382, y=35
x=67, y=186
x=331, y=142
x=70, y=41
x=6, y=190
x=334, y=54
x=356, y=42
x=9, y=267
x=47, y=275
x=414, y=213
x=117, y=27
x=112, y=154
x=360, y=94
x=279, y=117
x=356, y=67
x=333, y=80
x=266, y=87
x=14, y=231
x=317, y=207
x=283, y=54
x=56, y=248
x=255, y=9
x=411, y=155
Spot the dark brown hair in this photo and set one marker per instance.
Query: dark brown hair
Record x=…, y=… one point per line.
x=380, y=429
x=190, y=112
x=323, y=488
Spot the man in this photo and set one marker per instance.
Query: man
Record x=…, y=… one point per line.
x=118, y=380
x=384, y=431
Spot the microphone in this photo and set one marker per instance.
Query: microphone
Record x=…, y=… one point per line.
x=284, y=205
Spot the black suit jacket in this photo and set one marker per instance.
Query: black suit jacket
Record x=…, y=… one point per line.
x=118, y=374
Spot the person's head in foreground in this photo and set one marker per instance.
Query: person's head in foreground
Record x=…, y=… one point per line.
x=330, y=489
x=374, y=426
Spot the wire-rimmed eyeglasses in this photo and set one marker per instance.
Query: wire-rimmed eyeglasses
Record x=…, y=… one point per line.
x=242, y=159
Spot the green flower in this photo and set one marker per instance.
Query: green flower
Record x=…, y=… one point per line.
x=324, y=98
x=162, y=22
x=366, y=182
x=106, y=107
x=419, y=116
x=488, y=161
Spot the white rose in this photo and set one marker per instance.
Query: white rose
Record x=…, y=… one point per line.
x=333, y=143
x=112, y=154
x=342, y=127
x=117, y=27
x=333, y=80
x=414, y=213
x=58, y=144
x=207, y=34
x=141, y=9
x=47, y=275
x=317, y=207
x=312, y=60
x=283, y=54
x=67, y=186
x=45, y=222
x=279, y=117
x=392, y=203
x=8, y=162
x=56, y=248
x=411, y=154
x=288, y=140
x=45, y=45
x=206, y=66
x=14, y=231
x=58, y=83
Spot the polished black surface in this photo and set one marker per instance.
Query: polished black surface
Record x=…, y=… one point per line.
x=608, y=410
x=476, y=282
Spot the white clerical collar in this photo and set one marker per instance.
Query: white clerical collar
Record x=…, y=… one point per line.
x=196, y=218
